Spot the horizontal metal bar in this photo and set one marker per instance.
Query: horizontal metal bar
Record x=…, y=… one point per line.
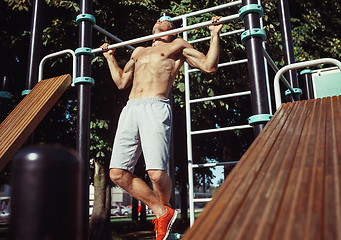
x=213, y=164
x=220, y=65
x=207, y=10
x=220, y=97
x=199, y=200
x=233, y=63
x=171, y=32
x=105, y=32
x=221, y=129
x=221, y=35
x=324, y=70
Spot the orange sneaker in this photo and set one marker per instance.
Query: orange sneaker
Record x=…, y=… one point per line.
x=163, y=224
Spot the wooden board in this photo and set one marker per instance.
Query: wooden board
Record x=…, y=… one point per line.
x=21, y=122
x=288, y=183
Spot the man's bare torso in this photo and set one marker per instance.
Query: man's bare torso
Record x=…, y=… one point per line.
x=155, y=69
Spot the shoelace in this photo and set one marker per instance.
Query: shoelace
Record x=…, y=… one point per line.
x=155, y=222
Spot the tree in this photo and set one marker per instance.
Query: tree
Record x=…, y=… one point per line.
x=315, y=29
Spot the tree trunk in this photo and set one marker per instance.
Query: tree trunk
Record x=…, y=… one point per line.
x=100, y=219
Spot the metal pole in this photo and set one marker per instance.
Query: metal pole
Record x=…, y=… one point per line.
x=256, y=66
x=288, y=46
x=308, y=84
x=34, y=51
x=5, y=98
x=83, y=118
x=189, y=136
x=35, y=43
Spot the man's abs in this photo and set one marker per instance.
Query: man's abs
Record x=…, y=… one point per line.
x=147, y=88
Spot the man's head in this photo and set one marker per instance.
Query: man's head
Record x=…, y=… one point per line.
x=163, y=24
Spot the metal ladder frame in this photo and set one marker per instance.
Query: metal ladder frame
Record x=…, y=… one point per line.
x=188, y=102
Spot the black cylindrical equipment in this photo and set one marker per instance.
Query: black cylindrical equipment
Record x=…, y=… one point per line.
x=256, y=66
x=44, y=194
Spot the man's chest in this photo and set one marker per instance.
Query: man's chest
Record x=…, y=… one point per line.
x=151, y=55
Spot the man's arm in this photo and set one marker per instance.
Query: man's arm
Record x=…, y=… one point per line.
x=122, y=78
x=208, y=63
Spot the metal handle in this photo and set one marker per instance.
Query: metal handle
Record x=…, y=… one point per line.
x=296, y=66
x=57, y=54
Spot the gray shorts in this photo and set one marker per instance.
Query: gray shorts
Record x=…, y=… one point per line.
x=144, y=126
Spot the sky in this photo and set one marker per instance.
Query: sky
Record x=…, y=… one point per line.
x=218, y=172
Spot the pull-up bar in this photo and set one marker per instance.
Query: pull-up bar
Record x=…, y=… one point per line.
x=105, y=32
x=171, y=32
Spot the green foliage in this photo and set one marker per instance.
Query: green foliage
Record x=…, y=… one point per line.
x=19, y=5
x=315, y=30
x=99, y=149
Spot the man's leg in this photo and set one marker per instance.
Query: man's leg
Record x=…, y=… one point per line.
x=162, y=185
x=138, y=189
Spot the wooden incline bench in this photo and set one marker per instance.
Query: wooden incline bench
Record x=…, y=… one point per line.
x=21, y=122
x=288, y=183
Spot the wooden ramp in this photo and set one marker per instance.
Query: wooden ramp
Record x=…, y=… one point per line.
x=288, y=183
x=21, y=122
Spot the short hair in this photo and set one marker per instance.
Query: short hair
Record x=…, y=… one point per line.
x=168, y=17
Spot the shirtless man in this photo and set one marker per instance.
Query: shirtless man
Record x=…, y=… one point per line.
x=145, y=122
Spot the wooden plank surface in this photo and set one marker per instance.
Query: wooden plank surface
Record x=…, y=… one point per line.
x=21, y=122
x=288, y=183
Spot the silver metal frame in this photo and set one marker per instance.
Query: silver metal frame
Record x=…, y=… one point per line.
x=296, y=66
x=58, y=54
x=189, y=101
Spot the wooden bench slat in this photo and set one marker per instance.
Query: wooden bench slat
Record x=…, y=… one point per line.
x=278, y=170
x=280, y=187
x=332, y=171
x=303, y=210
x=243, y=178
x=23, y=113
x=21, y=122
x=293, y=203
x=21, y=110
